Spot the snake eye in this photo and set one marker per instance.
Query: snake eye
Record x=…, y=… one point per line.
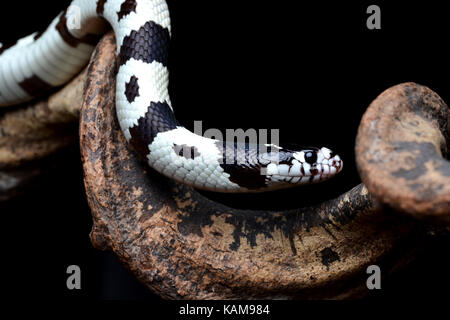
x=310, y=157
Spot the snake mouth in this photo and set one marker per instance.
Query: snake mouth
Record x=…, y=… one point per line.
x=294, y=170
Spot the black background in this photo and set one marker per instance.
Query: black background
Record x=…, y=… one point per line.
x=309, y=70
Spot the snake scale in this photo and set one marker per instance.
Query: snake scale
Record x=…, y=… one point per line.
x=48, y=59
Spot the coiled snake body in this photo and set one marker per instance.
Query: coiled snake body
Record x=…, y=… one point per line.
x=49, y=59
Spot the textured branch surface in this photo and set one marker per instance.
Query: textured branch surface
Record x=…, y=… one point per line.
x=34, y=131
x=400, y=148
x=30, y=133
x=182, y=245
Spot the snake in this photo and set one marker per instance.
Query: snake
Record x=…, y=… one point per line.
x=48, y=59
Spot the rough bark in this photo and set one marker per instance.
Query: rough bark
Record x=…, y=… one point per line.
x=401, y=146
x=34, y=131
x=30, y=135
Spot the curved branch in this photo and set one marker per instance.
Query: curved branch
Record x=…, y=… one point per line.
x=30, y=134
x=399, y=151
x=34, y=131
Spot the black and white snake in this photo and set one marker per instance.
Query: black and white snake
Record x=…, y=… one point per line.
x=45, y=60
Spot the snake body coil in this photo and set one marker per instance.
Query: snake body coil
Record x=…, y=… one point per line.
x=49, y=59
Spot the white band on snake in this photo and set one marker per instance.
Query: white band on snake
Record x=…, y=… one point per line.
x=42, y=61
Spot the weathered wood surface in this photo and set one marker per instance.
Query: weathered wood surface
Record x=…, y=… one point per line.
x=402, y=142
x=183, y=245
x=30, y=135
x=34, y=131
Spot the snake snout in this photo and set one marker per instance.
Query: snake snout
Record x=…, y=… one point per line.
x=330, y=162
x=308, y=165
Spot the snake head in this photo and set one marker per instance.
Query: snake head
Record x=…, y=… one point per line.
x=307, y=165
